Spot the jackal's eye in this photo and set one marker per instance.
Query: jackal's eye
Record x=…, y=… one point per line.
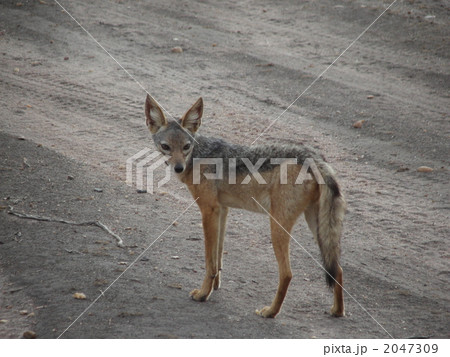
x=165, y=147
x=186, y=147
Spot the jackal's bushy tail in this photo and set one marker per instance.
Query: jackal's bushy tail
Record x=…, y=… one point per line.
x=331, y=214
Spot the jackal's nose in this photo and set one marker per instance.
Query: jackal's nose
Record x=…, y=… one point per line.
x=178, y=168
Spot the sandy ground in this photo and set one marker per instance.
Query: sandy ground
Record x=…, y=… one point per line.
x=71, y=116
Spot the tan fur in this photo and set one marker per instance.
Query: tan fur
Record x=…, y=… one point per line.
x=322, y=204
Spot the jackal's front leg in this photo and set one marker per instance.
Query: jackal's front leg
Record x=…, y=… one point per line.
x=210, y=219
x=222, y=227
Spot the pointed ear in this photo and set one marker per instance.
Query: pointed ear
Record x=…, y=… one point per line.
x=192, y=119
x=154, y=114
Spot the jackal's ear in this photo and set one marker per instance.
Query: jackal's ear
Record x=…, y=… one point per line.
x=154, y=114
x=192, y=119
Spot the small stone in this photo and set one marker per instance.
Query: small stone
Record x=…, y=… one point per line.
x=29, y=334
x=98, y=189
x=370, y=97
x=79, y=296
x=66, y=58
x=177, y=50
x=424, y=169
x=358, y=124
x=23, y=312
x=141, y=191
x=70, y=177
x=175, y=286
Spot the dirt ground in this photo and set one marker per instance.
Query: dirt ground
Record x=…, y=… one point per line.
x=71, y=116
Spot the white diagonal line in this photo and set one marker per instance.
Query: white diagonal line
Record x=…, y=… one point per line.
x=110, y=55
x=139, y=257
x=320, y=265
x=324, y=71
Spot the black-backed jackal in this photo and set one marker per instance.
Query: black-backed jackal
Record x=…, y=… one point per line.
x=262, y=179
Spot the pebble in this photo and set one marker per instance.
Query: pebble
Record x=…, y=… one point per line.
x=177, y=50
x=29, y=334
x=358, y=124
x=175, y=286
x=424, y=169
x=79, y=296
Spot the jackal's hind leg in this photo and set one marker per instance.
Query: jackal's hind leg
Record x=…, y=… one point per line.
x=280, y=242
x=337, y=309
x=312, y=218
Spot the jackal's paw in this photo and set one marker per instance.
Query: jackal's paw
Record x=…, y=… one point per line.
x=197, y=295
x=337, y=311
x=266, y=312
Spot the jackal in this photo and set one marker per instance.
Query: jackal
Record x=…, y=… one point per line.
x=270, y=186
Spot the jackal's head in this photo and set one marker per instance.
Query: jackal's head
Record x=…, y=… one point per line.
x=174, y=138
